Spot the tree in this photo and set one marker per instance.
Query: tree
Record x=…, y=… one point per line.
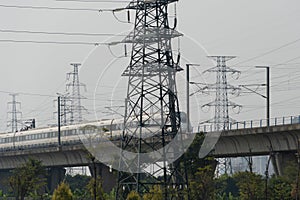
x=133, y=195
x=110, y=196
x=251, y=185
x=155, y=193
x=27, y=178
x=279, y=188
x=96, y=187
x=78, y=185
x=291, y=176
x=200, y=172
x=191, y=158
x=62, y=192
x=202, y=184
x=226, y=187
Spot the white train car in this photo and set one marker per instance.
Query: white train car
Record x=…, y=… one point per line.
x=48, y=137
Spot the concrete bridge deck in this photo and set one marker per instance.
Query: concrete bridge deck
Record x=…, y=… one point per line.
x=257, y=141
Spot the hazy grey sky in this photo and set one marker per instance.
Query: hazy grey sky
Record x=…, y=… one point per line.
x=258, y=32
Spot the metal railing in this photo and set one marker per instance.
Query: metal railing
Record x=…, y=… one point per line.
x=277, y=121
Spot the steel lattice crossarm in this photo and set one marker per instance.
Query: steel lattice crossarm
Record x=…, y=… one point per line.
x=221, y=66
x=141, y=4
x=151, y=35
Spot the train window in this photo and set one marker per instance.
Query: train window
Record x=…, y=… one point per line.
x=73, y=132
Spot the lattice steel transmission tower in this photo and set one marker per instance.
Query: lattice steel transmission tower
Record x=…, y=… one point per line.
x=13, y=123
x=73, y=94
x=152, y=116
x=221, y=103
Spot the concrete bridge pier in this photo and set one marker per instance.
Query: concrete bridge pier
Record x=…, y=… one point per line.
x=55, y=176
x=283, y=159
x=107, y=175
x=4, y=180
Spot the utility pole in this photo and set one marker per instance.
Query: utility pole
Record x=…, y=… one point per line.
x=65, y=109
x=188, y=94
x=151, y=101
x=267, y=92
x=58, y=120
x=13, y=123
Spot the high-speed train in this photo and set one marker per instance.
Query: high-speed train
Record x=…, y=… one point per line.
x=48, y=137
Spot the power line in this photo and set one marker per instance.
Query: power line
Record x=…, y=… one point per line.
x=275, y=66
x=29, y=94
x=95, y=1
x=52, y=42
x=59, y=33
x=269, y=52
x=54, y=8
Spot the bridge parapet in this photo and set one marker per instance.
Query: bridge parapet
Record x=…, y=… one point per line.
x=250, y=124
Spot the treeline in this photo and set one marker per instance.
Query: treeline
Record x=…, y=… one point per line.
x=29, y=182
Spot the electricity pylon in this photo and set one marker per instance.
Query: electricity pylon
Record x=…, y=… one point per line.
x=73, y=91
x=13, y=123
x=152, y=116
x=221, y=103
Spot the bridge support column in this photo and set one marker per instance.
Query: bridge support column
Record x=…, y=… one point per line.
x=108, y=177
x=281, y=160
x=4, y=180
x=55, y=176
